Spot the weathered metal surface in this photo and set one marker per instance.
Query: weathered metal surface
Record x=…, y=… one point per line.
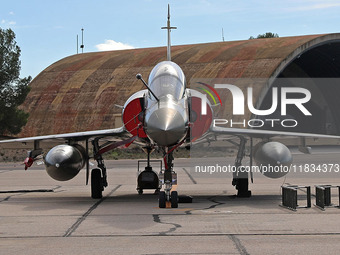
x=78, y=93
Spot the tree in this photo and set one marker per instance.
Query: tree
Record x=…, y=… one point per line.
x=265, y=35
x=13, y=90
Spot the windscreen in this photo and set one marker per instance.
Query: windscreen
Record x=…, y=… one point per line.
x=167, y=78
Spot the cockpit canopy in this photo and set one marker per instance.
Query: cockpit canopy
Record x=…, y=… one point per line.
x=167, y=78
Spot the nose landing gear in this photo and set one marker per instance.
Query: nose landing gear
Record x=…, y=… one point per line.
x=168, y=196
x=168, y=178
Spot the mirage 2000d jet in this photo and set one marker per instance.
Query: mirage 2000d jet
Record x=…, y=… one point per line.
x=164, y=116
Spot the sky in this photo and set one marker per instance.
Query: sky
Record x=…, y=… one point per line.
x=46, y=30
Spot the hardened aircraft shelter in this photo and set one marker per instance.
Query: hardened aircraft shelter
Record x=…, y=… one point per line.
x=81, y=92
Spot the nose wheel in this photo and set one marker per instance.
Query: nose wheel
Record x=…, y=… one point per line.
x=163, y=199
x=174, y=199
x=168, y=196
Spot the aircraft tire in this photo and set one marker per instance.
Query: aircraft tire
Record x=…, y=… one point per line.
x=242, y=188
x=162, y=199
x=174, y=199
x=96, y=184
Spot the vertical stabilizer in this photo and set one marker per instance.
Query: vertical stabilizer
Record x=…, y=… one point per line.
x=168, y=27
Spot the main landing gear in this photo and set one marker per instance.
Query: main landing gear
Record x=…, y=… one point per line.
x=170, y=178
x=240, y=177
x=98, y=175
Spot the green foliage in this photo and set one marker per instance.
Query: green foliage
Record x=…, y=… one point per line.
x=265, y=35
x=13, y=90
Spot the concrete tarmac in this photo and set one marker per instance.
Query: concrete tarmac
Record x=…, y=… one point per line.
x=41, y=216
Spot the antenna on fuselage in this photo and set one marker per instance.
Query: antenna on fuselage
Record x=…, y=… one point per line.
x=168, y=27
x=139, y=77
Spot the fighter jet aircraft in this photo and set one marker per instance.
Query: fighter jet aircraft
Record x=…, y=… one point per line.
x=165, y=115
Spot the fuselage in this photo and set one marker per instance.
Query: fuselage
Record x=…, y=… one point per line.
x=166, y=119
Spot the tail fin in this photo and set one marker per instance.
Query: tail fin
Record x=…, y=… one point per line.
x=168, y=27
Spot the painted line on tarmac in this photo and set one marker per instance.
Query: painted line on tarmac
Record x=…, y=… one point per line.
x=190, y=176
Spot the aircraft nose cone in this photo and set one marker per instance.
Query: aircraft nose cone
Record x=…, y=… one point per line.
x=166, y=126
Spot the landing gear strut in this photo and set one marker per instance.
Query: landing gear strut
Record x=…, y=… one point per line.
x=240, y=177
x=167, y=195
x=98, y=175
